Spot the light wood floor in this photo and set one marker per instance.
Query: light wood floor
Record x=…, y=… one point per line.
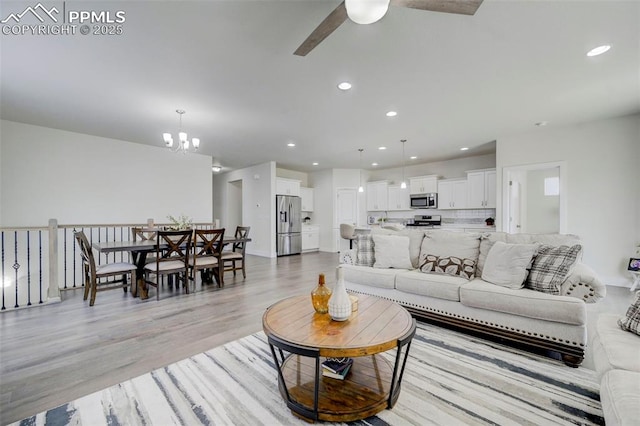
x=52, y=354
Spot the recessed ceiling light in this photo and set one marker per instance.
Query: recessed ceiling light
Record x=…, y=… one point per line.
x=413, y=157
x=216, y=169
x=464, y=148
x=291, y=144
x=315, y=163
x=541, y=123
x=345, y=85
x=391, y=114
x=374, y=164
x=598, y=50
x=382, y=148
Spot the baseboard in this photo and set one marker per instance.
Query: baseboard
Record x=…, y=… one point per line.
x=260, y=253
x=617, y=281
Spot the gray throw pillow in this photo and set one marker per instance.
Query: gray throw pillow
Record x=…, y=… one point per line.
x=631, y=321
x=507, y=265
x=365, y=255
x=551, y=267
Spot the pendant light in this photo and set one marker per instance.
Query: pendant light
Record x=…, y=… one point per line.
x=360, y=188
x=403, y=185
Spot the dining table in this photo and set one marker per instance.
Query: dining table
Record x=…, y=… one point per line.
x=139, y=250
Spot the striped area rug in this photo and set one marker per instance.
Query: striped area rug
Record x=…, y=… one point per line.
x=451, y=379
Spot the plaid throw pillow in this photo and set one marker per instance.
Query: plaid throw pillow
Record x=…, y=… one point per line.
x=465, y=268
x=551, y=267
x=631, y=321
x=366, y=254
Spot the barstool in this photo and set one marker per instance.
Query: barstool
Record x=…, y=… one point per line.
x=347, y=232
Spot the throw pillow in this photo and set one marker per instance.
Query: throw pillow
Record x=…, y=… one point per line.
x=365, y=255
x=507, y=264
x=631, y=321
x=449, y=243
x=392, y=251
x=451, y=265
x=551, y=267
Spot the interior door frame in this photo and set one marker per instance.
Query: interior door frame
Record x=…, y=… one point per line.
x=563, y=175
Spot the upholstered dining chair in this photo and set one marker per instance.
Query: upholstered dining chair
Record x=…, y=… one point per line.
x=234, y=260
x=171, y=258
x=207, y=247
x=347, y=231
x=94, y=274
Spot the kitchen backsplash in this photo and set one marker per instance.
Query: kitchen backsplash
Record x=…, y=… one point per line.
x=448, y=216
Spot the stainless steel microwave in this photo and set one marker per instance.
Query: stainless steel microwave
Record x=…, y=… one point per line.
x=424, y=201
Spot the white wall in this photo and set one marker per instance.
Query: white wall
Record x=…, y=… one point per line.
x=543, y=211
x=602, y=185
x=258, y=205
x=292, y=174
x=444, y=169
x=75, y=178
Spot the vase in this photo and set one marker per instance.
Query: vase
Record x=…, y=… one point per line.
x=320, y=296
x=339, y=303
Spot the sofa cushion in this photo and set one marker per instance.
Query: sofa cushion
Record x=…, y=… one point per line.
x=551, y=267
x=383, y=278
x=620, y=397
x=523, y=302
x=451, y=265
x=392, y=251
x=365, y=254
x=507, y=264
x=547, y=239
x=448, y=243
x=614, y=348
x=415, y=242
x=432, y=285
x=486, y=242
x=631, y=320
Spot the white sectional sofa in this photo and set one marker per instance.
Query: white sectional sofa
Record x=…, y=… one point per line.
x=616, y=355
x=540, y=320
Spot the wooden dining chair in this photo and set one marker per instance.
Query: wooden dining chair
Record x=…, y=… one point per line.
x=94, y=275
x=171, y=258
x=143, y=234
x=234, y=260
x=207, y=254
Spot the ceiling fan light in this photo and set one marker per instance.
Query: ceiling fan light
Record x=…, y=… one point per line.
x=366, y=11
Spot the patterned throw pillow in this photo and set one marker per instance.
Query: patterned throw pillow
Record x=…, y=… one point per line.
x=366, y=254
x=631, y=321
x=551, y=267
x=465, y=268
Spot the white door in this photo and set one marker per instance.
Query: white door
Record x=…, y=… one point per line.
x=234, y=207
x=347, y=212
x=515, y=200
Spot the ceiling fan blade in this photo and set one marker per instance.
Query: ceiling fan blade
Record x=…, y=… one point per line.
x=463, y=7
x=326, y=27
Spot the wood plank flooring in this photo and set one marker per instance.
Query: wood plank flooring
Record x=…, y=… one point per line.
x=56, y=353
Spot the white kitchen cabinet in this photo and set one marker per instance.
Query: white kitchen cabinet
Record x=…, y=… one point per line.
x=310, y=237
x=481, y=189
x=452, y=194
x=287, y=186
x=398, y=198
x=306, y=195
x=423, y=184
x=377, y=196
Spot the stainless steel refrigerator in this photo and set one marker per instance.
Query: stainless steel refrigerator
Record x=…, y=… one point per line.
x=288, y=225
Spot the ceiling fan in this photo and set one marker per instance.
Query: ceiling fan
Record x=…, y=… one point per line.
x=370, y=11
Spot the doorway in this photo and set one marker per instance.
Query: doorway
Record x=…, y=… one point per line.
x=535, y=198
x=346, y=212
x=234, y=206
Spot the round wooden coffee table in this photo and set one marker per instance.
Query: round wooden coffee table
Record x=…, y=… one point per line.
x=300, y=338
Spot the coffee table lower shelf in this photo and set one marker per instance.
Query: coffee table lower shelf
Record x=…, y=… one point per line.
x=363, y=393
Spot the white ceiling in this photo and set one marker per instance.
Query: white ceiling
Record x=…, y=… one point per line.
x=454, y=80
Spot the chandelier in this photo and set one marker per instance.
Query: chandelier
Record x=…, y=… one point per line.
x=183, y=143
